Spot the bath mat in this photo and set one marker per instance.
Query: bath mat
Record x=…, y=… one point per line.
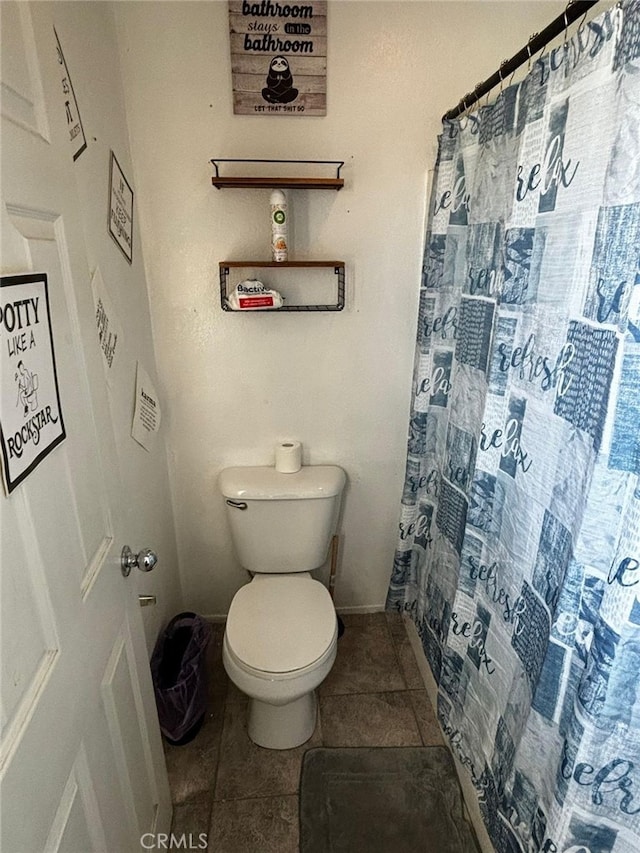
x=382, y=800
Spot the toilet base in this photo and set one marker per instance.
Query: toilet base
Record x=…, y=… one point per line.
x=283, y=726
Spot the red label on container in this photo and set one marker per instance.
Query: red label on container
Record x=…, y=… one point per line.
x=256, y=301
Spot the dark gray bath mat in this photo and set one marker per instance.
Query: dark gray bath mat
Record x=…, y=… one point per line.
x=382, y=800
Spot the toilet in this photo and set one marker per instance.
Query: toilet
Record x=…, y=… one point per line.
x=281, y=634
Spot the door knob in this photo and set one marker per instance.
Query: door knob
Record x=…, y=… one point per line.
x=144, y=560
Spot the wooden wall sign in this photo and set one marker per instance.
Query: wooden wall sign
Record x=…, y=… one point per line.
x=279, y=57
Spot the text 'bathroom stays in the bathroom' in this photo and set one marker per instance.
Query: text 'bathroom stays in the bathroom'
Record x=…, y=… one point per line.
x=278, y=57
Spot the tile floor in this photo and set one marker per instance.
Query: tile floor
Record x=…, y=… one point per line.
x=244, y=797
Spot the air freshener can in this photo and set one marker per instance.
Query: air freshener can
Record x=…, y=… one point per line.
x=279, y=250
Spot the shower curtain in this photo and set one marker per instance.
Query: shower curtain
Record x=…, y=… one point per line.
x=519, y=540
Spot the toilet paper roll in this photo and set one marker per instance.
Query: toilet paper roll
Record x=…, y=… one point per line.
x=288, y=457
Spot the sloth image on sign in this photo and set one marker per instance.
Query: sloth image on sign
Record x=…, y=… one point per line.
x=279, y=88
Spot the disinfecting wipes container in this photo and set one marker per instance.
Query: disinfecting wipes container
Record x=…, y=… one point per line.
x=252, y=295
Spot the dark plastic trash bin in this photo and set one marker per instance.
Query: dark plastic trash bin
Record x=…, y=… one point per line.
x=178, y=669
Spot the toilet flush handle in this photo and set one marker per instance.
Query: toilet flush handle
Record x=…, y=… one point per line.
x=237, y=504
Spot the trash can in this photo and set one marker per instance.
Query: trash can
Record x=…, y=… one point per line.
x=178, y=670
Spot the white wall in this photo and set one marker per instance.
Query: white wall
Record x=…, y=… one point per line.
x=233, y=385
x=88, y=37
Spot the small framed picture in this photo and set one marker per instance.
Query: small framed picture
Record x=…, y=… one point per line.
x=120, y=209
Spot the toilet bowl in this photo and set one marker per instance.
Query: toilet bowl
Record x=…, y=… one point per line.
x=281, y=633
x=280, y=643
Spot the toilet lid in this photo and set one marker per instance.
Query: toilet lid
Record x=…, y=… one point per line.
x=281, y=623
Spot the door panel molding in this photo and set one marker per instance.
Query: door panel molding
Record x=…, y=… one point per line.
x=95, y=565
x=78, y=805
x=24, y=711
x=24, y=108
x=31, y=578
x=122, y=705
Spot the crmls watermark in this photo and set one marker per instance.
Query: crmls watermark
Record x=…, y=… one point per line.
x=166, y=841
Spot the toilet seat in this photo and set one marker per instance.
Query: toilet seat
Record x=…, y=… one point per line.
x=282, y=677
x=281, y=625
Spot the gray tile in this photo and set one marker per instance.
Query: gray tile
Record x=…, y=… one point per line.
x=219, y=682
x=363, y=703
x=369, y=719
x=366, y=661
x=407, y=660
x=234, y=694
x=404, y=650
x=192, y=818
x=192, y=767
x=247, y=770
x=425, y=715
x=264, y=825
x=363, y=619
x=395, y=622
x=218, y=679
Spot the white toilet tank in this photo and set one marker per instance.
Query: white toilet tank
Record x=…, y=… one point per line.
x=282, y=522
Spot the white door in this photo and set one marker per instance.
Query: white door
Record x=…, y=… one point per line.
x=81, y=759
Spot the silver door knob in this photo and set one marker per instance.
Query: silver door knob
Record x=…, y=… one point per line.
x=144, y=560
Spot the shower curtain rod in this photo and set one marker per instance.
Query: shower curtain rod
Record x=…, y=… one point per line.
x=536, y=42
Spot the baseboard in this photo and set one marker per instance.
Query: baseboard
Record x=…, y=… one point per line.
x=468, y=790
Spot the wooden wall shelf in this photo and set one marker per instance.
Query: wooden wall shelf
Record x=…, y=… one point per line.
x=288, y=183
x=337, y=266
x=283, y=264
x=264, y=182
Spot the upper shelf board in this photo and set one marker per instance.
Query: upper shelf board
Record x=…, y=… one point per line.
x=293, y=183
x=279, y=183
x=280, y=264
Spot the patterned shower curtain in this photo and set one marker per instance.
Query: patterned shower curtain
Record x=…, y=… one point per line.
x=519, y=540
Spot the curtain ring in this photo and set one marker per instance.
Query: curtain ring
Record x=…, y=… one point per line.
x=581, y=24
x=531, y=38
x=462, y=106
x=502, y=64
x=566, y=20
x=487, y=96
x=467, y=106
x=543, y=51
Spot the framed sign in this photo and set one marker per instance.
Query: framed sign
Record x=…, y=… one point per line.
x=120, y=209
x=278, y=57
x=31, y=422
